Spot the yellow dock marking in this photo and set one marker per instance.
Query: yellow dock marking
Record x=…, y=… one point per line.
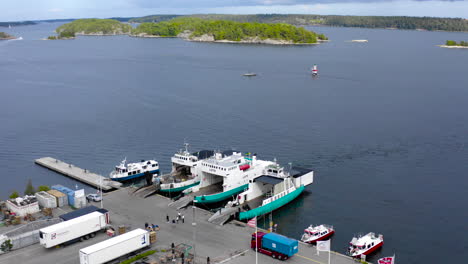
x=309, y=259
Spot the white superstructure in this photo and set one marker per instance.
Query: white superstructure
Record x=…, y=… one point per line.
x=126, y=171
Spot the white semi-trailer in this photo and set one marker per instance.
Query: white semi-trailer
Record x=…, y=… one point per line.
x=115, y=247
x=81, y=228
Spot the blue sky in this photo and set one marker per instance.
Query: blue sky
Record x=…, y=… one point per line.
x=14, y=10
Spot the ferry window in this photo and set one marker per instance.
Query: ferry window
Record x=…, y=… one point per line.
x=129, y=173
x=144, y=167
x=154, y=165
x=138, y=171
x=41, y=235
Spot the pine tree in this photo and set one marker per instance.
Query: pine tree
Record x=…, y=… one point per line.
x=29, y=188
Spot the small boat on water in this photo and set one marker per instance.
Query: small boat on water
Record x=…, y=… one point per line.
x=364, y=245
x=249, y=74
x=127, y=171
x=314, y=70
x=313, y=234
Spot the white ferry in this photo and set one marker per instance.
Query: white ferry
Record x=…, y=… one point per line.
x=313, y=234
x=364, y=245
x=231, y=169
x=273, y=189
x=127, y=171
x=184, y=173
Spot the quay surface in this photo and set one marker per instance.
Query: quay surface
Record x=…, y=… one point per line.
x=223, y=244
x=77, y=173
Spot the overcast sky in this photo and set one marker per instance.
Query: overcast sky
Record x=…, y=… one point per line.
x=14, y=10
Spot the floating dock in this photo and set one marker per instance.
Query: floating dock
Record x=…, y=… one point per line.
x=77, y=173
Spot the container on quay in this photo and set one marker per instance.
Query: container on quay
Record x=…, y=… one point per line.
x=46, y=200
x=80, y=199
x=115, y=247
x=69, y=192
x=62, y=198
x=274, y=245
x=79, y=228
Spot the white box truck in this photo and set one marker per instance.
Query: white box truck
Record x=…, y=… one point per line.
x=82, y=228
x=115, y=247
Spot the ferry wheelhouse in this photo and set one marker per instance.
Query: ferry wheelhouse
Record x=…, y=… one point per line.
x=184, y=173
x=313, y=234
x=364, y=245
x=127, y=171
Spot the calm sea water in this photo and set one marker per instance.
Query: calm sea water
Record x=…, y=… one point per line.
x=385, y=126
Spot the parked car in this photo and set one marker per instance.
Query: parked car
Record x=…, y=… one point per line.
x=93, y=197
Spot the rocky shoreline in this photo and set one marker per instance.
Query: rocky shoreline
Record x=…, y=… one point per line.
x=186, y=35
x=5, y=36
x=453, y=47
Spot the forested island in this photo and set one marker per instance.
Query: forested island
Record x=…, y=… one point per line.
x=454, y=44
x=198, y=29
x=94, y=26
x=391, y=22
x=195, y=29
x=4, y=36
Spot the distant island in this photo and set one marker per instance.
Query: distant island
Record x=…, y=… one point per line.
x=17, y=23
x=454, y=44
x=389, y=22
x=94, y=26
x=195, y=29
x=5, y=36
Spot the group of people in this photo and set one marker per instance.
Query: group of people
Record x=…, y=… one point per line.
x=180, y=217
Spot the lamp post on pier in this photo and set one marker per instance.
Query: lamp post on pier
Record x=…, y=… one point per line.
x=194, y=224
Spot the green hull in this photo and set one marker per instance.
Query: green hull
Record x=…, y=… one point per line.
x=179, y=189
x=271, y=206
x=218, y=197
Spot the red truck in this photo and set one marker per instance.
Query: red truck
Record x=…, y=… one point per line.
x=274, y=245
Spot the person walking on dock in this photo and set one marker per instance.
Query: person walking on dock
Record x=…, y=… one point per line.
x=177, y=219
x=183, y=219
x=167, y=218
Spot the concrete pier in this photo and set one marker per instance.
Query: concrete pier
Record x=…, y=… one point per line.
x=77, y=173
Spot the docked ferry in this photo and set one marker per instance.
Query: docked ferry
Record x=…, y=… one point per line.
x=313, y=234
x=128, y=171
x=184, y=173
x=232, y=170
x=364, y=245
x=274, y=189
